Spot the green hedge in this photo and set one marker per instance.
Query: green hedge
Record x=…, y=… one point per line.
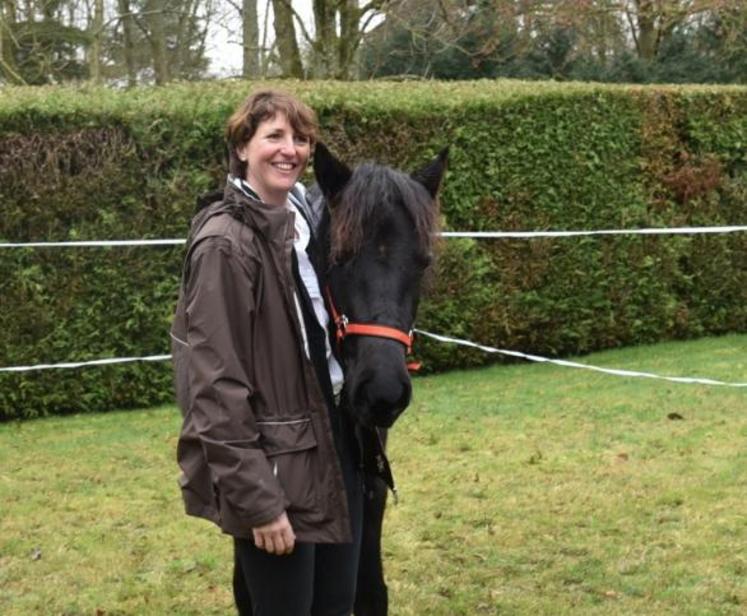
x=95, y=164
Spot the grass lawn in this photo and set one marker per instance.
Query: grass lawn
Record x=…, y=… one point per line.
x=525, y=489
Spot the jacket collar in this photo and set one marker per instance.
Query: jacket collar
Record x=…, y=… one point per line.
x=270, y=221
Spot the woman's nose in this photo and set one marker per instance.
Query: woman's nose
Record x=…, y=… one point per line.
x=288, y=147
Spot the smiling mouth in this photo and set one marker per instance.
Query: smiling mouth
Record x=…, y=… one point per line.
x=285, y=166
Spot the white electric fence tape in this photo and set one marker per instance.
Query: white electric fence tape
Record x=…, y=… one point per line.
x=652, y=231
x=571, y=364
x=80, y=364
x=471, y=234
x=440, y=338
x=93, y=243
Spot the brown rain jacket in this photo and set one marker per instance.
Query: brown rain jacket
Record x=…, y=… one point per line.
x=256, y=438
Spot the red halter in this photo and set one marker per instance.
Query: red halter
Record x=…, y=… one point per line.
x=344, y=328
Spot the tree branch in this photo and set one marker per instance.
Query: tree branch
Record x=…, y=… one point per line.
x=237, y=7
x=11, y=71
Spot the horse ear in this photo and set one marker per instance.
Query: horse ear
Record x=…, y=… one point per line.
x=431, y=175
x=331, y=174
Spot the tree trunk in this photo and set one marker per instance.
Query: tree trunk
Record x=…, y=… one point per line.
x=265, y=53
x=128, y=27
x=250, y=39
x=97, y=36
x=324, y=48
x=285, y=36
x=184, y=33
x=349, y=39
x=647, y=35
x=157, y=38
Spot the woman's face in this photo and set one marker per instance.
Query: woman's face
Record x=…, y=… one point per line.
x=276, y=156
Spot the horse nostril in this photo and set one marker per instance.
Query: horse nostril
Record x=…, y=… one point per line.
x=379, y=392
x=386, y=406
x=360, y=398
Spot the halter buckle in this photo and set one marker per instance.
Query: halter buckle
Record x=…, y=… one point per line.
x=341, y=325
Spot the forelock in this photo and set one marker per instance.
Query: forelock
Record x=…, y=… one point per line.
x=368, y=198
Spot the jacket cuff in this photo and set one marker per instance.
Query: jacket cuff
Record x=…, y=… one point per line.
x=239, y=523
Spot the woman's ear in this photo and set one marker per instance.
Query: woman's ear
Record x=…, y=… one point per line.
x=241, y=151
x=236, y=164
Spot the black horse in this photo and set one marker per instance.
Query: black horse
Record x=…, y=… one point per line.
x=377, y=234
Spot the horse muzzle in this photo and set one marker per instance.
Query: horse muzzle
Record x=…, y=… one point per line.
x=378, y=383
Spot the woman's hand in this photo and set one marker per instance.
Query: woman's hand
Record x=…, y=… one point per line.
x=277, y=537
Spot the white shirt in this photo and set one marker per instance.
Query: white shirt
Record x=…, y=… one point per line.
x=310, y=281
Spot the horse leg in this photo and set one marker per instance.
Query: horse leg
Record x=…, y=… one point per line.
x=371, y=597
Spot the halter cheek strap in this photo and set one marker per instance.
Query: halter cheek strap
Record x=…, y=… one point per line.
x=344, y=328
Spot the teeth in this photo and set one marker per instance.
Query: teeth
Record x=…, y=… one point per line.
x=285, y=166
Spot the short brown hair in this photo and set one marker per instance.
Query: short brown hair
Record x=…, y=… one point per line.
x=261, y=106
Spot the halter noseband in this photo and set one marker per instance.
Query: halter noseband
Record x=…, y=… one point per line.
x=344, y=328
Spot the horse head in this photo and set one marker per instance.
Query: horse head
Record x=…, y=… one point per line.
x=381, y=230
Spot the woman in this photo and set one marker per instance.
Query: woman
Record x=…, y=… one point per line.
x=265, y=452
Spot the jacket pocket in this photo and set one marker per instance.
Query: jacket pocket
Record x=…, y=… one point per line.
x=291, y=448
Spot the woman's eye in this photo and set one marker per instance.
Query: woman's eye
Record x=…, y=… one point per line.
x=300, y=140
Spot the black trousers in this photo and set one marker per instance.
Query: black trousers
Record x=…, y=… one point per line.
x=315, y=580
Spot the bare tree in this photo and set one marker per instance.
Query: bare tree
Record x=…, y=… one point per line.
x=8, y=44
x=128, y=41
x=168, y=37
x=42, y=41
x=652, y=22
x=187, y=37
x=250, y=39
x=323, y=44
x=156, y=36
x=97, y=34
x=339, y=26
x=503, y=30
x=477, y=30
x=285, y=39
